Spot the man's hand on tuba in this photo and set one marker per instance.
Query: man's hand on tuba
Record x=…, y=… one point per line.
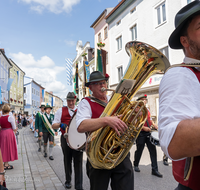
x=116, y=123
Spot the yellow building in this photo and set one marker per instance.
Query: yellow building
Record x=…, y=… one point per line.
x=16, y=93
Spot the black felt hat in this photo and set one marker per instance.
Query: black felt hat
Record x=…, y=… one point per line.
x=96, y=76
x=180, y=19
x=71, y=96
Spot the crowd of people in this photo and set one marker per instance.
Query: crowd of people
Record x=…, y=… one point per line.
x=179, y=113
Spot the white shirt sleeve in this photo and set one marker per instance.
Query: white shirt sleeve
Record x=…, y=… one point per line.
x=178, y=100
x=83, y=112
x=11, y=119
x=57, y=116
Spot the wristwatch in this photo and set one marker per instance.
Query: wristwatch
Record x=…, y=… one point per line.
x=3, y=173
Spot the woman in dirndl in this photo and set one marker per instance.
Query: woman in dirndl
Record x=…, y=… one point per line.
x=8, y=143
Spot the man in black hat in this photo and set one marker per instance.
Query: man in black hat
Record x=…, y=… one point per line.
x=61, y=120
x=46, y=132
x=144, y=138
x=87, y=119
x=37, y=118
x=179, y=109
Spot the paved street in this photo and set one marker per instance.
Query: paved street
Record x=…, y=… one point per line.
x=32, y=171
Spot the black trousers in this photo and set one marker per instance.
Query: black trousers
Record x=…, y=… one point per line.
x=46, y=136
x=143, y=139
x=182, y=187
x=122, y=177
x=77, y=157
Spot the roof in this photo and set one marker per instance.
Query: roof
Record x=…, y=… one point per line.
x=12, y=62
x=113, y=10
x=3, y=53
x=106, y=12
x=37, y=84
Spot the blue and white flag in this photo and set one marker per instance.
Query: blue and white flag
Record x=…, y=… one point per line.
x=10, y=80
x=0, y=96
x=69, y=71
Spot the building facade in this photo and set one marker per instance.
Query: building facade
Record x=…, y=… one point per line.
x=5, y=65
x=101, y=35
x=88, y=53
x=31, y=96
x=16, y=94
x=126, y=22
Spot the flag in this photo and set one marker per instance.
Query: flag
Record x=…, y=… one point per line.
x=69, y=71
x=99, y=61
x=18, y=78
x=9, y=83
x=0, y=96
x=76, y=78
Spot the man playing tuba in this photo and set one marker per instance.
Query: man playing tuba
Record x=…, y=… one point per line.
x=88, y=113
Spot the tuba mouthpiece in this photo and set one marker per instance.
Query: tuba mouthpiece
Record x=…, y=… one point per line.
x=103, y=89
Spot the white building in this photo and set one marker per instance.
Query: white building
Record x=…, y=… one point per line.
x=147, y=21
x=89, y=56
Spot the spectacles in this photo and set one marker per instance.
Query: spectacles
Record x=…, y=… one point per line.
x=98, y=83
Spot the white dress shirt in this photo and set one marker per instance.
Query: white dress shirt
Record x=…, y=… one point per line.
x=84, y=111
x=11, y=119
x=58, y=114
x=178, y=100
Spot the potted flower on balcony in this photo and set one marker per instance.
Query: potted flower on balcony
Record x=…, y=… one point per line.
x=18, y=101
x=11, y=99
x=15, y=100
x=21, y=102
x=100, y=44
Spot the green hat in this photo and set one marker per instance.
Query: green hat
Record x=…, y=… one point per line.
x=96, y=76
x=144, y=96
x=47, y=106
x=71, y=96
x=180, y=20
x=42, y=105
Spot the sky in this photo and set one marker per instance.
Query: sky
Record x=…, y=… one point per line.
x=38, y=35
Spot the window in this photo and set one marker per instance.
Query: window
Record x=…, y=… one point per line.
x=99, y=37
x=165, y=51
x=161, y=13
x=120, y=73
x=118, y=23
x=134, y=32
x=133, y=10
x=189, y=1
x=25, y=102
x=105, y=32
x=24, y=89
x=119, y=43
x=106, y=58
x=32, y=102
x=32, y=90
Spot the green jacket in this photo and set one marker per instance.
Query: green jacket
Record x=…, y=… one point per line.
x=37, y=119
x=42, y=127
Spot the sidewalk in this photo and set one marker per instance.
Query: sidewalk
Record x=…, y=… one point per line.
x=31, y=170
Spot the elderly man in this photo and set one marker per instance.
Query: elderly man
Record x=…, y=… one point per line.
x=89, y=111
x=179, y=111
x=61, y=120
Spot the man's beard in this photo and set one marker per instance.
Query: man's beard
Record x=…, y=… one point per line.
x=194, y=48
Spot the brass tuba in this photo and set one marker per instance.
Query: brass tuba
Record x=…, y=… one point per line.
x=104, y=148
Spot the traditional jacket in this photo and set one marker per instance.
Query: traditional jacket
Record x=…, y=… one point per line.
x=178, y=166
x=42, y=127
x=37, y=119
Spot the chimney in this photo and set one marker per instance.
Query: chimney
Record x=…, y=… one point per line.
x=2, y=50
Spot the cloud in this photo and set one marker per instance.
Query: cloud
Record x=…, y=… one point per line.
x=28, y=60
x=43, y=71
x=70, y=42
x=55, y=6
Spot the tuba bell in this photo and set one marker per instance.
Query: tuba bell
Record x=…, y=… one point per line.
x=104, y=148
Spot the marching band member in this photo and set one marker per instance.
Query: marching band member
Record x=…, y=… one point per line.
x=43, y=131
x=143, y=138
x=61, y=120
x=38, y=115
x=179, y=104
x=88, y=120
